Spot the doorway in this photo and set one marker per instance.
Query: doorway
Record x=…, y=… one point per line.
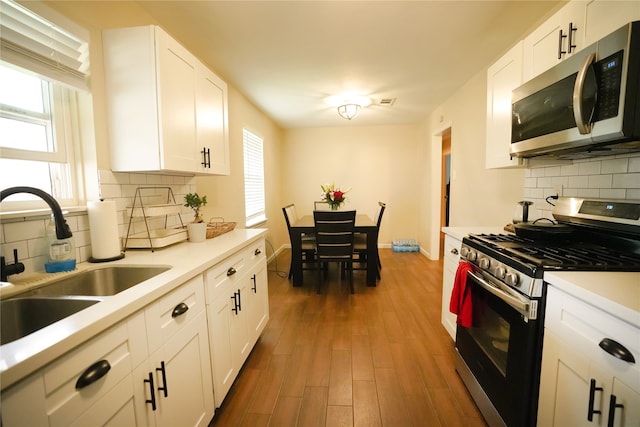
x=445, y=185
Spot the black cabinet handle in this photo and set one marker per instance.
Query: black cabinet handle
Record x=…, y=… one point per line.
x=239, y=301
x=572, y=30
x=236, y=307
x=231, y=271
x=257, y=252
x=206, y=157
x=153, y=392
x=561, y=38
x=616, y=349
x=612, y=409
x=93, y=373
x=179, y=310
x=592, y=398
x=254, y=288
x=164, y=379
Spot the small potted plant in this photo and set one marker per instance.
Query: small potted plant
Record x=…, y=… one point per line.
x=198, y=228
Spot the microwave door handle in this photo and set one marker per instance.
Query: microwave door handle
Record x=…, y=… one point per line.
x=578, y=104
x=505, y=294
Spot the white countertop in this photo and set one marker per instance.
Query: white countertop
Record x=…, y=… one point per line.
x=617, y=293
x=460, y=232
x=21, y=357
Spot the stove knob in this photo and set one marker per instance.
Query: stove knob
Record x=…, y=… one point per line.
x=469, y=254
x=501, y=272
x=485, y=263
x=511, y=279
x=464, y=251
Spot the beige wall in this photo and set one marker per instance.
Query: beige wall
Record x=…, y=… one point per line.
x=479, y=196
x=379, y=164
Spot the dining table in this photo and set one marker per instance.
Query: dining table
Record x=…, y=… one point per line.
x=306, y=225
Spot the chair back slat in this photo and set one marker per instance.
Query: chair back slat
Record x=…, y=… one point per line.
x=334, y=234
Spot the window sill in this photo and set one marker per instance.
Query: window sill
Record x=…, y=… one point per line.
x=256, y=222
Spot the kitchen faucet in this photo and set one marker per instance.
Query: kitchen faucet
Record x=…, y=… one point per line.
x=62, y=228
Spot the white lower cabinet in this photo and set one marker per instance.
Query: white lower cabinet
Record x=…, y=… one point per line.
x=582, y=384
x=174, y=387
x=450, y=265
x=151, y=369
x=158, y=367
x=238, y=311
x=55, y=395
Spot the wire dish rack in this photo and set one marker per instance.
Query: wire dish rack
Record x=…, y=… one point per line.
x=159, y=237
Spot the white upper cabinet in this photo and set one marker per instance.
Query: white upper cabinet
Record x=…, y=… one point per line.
x=502, y=77
x=212, y=122
x=605, y=16
x=164, y=113
x=555, y=40
x=577, y=25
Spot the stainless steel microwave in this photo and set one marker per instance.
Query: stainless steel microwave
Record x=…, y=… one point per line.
x=586, y=106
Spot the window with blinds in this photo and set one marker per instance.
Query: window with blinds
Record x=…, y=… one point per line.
x=253, y=178
x=44, y=71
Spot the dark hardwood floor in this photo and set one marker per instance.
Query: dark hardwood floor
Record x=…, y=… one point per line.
x=379, y=357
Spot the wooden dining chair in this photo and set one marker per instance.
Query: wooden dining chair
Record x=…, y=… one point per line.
x=360, y=242
x=308, y=240
x=334, y=241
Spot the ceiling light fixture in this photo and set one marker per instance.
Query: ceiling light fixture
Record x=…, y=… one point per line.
x=348, y=111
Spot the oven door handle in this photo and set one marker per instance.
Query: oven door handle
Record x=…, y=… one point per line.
x=520, y=303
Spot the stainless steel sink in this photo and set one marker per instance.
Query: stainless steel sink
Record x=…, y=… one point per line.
x=20, y=317
x=105, y=281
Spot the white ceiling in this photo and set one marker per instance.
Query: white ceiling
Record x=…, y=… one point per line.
x=288, y=57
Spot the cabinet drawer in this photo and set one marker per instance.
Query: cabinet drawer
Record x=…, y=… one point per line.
x=167, y=316
x=51, y=393
x=452, y=250
x=583, y=325
x=233, y=268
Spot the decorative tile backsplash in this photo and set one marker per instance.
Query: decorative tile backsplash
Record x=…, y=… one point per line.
x=28, y=235
x=615, y=177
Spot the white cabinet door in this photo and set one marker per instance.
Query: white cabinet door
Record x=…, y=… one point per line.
x=556, y=39
x=176, y=71
x=222, y=324
x=605, y=16
x=183, y=377
x=502, y=77
x=212, y=122
x=564, y=385
x=450, y=264
x=258, y=301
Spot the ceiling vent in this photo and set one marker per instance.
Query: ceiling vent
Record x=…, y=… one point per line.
x=386, y=102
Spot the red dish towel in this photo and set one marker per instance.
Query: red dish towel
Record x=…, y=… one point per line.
x=461, y=303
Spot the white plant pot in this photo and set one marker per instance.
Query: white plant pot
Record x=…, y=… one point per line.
x=197, y=232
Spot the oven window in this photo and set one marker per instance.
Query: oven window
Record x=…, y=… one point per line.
x=491, y=331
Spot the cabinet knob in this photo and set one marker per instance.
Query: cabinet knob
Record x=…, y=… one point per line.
x=257, y=252
x=616, y=349
x=179, y=310
x=454, y=251
x=231, y=271
x=93, y=373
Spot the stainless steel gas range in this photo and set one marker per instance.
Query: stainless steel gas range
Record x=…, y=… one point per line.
x=499, y=355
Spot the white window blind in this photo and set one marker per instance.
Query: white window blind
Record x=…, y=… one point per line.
x=34, y=43
x=253, y=178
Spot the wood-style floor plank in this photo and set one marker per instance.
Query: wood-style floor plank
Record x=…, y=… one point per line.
x=379, y=357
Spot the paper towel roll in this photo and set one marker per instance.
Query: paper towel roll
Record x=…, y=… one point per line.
x=103, y=225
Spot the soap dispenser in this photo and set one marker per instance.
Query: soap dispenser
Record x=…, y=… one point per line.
x=61, y=252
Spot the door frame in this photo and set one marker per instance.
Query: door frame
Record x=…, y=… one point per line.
x=436, y=180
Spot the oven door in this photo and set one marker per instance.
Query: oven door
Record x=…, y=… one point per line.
x=502, y=350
